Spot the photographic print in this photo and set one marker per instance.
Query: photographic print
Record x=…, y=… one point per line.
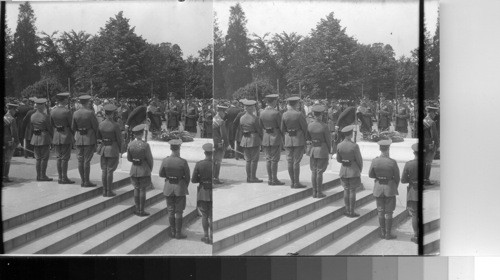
x=316, y=136
x=107, y=144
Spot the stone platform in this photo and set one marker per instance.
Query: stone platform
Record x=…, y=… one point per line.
x=190, y=151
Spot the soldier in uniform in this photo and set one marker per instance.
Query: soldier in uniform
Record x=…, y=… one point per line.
x=139, y=153
x=320, y=149
x=270, y=121
x=176, y=172
x=86, y=128
x=237, y=133
x=110, y=139
x=10, y=139
x=349, y=155
x=431, y=142
x=173, y=113
x=251, y=139
x=385, y=171
x=202, y=174
x=232, y=113
x=26, y=128
x=191, y=116
x=402, y=116
x=62, y=140
x=410, y=177
x=41, y=139
x=384, y=114
x=220, y=141
x=294, y=125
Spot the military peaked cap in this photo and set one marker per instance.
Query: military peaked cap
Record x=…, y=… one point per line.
x=40, y=100
x=386, y=142
x=208, y=147
x=109, y=107
x=139, y=128
x=347, y=128
x=62, y=95
x=272, y=96
x=12, y=105
x=247, y=102
x=318, y=108
x=175, y=142
x=293, y=98
x=84, y=97
x=414, y=147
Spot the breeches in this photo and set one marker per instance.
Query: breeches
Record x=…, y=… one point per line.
x=63, y=152
x=251, y=154
x=141, y=182
x=386, y=204
x=218, y=155
x=176, y=204
x=7, y=154
x=318, y=165
x=42, y=152
x=294, y=155
x=109, y=164
x=273, y=153
x=85, y=154
x=205, y=208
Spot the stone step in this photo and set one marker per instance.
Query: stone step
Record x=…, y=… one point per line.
x=40, y=227
x=274, y=238
x=75, y=232
x=432, y=225
x=151, y=236
x=251, y=227
x=75, y=196
x=271, y=204
x=432, y=242
x=357, y=237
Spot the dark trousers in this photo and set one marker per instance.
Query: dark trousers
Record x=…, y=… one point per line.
x=85, y=154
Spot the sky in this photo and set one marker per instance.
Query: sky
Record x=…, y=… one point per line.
x=369, y=21
x=188, y=24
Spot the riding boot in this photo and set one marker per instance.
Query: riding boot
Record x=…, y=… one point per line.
x=388, y=227
x=270, y=180
x=290, y=173
x=143, y=202
x=6, y=170
x=414, y=224
x=248, y=169
x=171, y=221
x=204, y=224
x=274, y=170
x=137, y=200
x=296, y=175
x=82, y=173
x=381, y=221
x=319, y=185
x=104, y=184
x=178, y=226
x=347, y=201
x=37, y=166
x=352, y=203
x=109, y=184
x=59, y=170
x=87, y=177
x=43, y=171
x=64, y=167
x=254, y=172
x=313, y=181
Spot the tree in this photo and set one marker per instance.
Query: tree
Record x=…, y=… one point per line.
x=285, y=46
x=378, y=70
x=218, y=55
x=198, y=77
x=9, y=67
x=114, y=62
x=323, y=62
x=25, y=49
x=432, y=65
x=256, y=90
x=407, y=77
x=44, y=88
x=237, y=58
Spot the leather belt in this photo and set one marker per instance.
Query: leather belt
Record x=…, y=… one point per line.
x=60, y=128
x=206, y=185
x=173, y=180
x=346, y=162
x=83, y=131
x=383, y=180
x=269, y=130
x=292, y=132
x=107, y=142
x=316, y=143
x=247, y=133
x=37, y=132
x=136, y=161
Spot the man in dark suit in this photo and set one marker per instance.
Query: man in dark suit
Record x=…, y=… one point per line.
x=202, y=174
x=176, y=172
x=110, y=138
x=431, y=141
x=251, y=139
x=237, y=132
x=270, y=121
x=86, y=128
x=41, y=139
x=294, y=125
x=410, y=177
x=320, y=149
x=385, y=171
x=26, y=129
x=173, y=112
x=349, y=155
x=139, y=153
x=62, y=140
x=220, y=138
x=10, y=139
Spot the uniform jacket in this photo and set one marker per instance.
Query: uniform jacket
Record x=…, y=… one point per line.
x=138, y=149
x=10, y=132
x=271, y=118
x=383, y=166
x=385, y=114
x=84, y=118
x=192, y=115
x=41, y=121
x=430, y=132
x=203, y=173
x=61, y=116
x=320, y=134
x=348, y=150
x=402, y=116
x=410, y=176
x=26, y=126
x=250, y=123
x=231, y=114
x=173, y=166
x=173, y=112
x=109, y=130
x=236, y=125
x=219, y=133
x=294, y=120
